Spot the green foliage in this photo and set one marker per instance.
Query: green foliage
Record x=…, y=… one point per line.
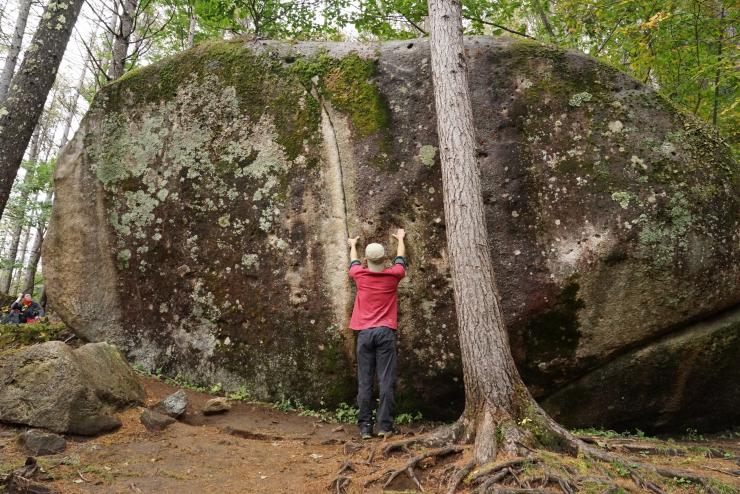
x=610, y=434
x=242, y=394
x=683, y=48
x=722, y=488
x=408, y=418
x=16, y=335
x=693, y=435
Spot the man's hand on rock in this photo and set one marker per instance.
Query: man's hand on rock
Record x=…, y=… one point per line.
x=400, y=234
x=352, y=242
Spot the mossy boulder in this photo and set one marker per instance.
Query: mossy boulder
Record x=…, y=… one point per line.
x=203, y=205
x=65, y=390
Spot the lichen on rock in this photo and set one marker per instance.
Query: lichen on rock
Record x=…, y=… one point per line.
x=227, y=177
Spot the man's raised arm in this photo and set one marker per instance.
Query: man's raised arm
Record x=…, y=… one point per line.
x=352, y=242
x=399, y=235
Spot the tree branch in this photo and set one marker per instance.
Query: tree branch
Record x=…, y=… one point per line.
x=504, y=28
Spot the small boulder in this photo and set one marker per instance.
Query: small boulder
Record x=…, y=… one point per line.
x=65, y=390
x=155, y=421
x=174, y=405
x=42, y=443
x=216, y=405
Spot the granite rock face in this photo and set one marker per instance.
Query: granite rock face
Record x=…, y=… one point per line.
x=213, y=193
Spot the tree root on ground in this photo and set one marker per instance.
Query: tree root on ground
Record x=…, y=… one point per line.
x=503, y=478
x=437, y=439
x=458, y=476
x=21, y=481
x=408, y=467
x=340, y=482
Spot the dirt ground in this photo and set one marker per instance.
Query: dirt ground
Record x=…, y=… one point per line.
x=257, y=449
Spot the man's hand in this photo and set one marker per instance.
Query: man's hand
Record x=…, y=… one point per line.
x=352, y=242
x=400, y=234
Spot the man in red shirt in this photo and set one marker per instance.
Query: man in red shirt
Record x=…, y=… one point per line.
x=375, y=319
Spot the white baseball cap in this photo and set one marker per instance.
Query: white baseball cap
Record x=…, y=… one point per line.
x=375, y=254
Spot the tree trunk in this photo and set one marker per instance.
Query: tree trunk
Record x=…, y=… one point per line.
x=29, y=277
x=15, y=217
x=21, y=260
x=6, y=276
x=720, y=40
x=543, y=12
x=122, y=39
x=191, y=28
x=76, y=97
x=25, y=101
x=495, y=396
x=15, y=48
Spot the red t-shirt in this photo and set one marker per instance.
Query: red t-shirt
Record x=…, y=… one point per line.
x=376, y=302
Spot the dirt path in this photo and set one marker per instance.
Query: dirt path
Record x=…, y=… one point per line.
x=256, y=449
x=249, y=449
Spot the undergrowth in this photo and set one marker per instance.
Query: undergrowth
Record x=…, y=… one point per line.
x=18, y=335
x=343, y=413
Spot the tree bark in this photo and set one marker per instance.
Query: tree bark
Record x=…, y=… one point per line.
x=720, y=40
x=15, y=48
x=191, y=28
x=20, y=261
x=122, y=39
x=25, y=101
x=29, y=276
x=495, y=396
x=14, y=218
x=543, y=11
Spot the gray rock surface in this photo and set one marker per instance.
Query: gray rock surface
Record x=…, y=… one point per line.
x=214, y=191
x=155, y=421
x=173, y=405
x=52, y=386
x=40, y=443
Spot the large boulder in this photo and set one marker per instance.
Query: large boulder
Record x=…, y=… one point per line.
x=50, y=385
x=203, y=205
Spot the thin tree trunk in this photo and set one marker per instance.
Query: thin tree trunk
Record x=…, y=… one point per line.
x=76, y=97
x=495, y=396
x=717, y=74
x=15, y=218
x=25, y=101
x=543, y=15
x=122, y=39
x=191, y=28
x=29, y=276
x=20, y=261
x=15, y=48
x=9, y=259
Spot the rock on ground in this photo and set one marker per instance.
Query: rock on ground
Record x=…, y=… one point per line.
x=214, y=190
x=173, y=405
x=41, y=443
x=52, y=386
x=155, y=421
x=216, y=405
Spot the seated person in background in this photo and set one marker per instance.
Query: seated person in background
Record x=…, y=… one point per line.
x=25, y=309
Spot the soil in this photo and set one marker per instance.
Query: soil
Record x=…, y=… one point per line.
x=254, y=448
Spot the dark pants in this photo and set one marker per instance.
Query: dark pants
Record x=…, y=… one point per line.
x=376, y=351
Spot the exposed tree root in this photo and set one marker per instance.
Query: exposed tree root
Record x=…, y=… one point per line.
x=408, y=468
x=340, y=482
x=20, y=481
x=458, y=477
x=504, y=478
